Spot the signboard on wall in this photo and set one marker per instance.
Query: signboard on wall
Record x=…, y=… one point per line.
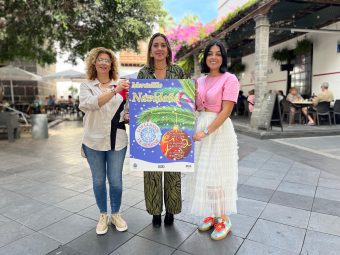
x=266, y=112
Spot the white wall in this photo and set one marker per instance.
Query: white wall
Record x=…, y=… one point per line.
x=326, y=62
x=63, y=65
x=277, y=80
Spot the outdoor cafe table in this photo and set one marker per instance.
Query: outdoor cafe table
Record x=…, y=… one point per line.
x=303, y=103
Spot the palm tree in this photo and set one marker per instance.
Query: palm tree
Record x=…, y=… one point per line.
x=190, y=19
x=166, y=21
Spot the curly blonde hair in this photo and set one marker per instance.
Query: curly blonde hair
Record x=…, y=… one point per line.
x=90, y=61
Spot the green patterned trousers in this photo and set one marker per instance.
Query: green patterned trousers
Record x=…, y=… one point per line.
x=153, y=190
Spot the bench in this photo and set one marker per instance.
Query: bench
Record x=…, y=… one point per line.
x=9, y=124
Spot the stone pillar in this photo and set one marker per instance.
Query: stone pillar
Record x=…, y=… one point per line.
x=197, y=66
x=261, y=66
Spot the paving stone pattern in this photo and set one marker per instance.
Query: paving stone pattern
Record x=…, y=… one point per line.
x=286, y=206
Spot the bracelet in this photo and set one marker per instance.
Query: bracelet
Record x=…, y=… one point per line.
x=206, y=132
x=113, y=91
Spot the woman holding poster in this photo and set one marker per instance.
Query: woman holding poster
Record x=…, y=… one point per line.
x=105, y=140
x=213, y=187
x=159, y=66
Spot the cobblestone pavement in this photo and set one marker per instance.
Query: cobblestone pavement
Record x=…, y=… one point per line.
x=289, y=202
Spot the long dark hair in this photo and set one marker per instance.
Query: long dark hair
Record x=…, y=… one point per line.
x=150, y=60
x=224, y=65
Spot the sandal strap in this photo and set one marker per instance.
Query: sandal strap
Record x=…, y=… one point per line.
x=209, y=219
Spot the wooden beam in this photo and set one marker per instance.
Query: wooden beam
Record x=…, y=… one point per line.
x=333, y=2
x=263, y=9
x=307, y=30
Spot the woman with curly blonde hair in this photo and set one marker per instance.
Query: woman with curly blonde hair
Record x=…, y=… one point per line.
x=104, y=142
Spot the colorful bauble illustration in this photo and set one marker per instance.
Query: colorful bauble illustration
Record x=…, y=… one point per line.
x=176, y=144
x=148, y=134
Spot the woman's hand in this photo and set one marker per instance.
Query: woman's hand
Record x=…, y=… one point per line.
x=123, y=84
x=126, y=118
x=198, y=136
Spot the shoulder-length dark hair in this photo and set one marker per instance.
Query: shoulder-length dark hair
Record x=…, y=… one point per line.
x=150, y=61
x=224, y=65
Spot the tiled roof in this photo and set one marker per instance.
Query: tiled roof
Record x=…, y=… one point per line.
x=131, y=58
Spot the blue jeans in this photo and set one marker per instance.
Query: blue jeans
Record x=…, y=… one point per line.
x=110, y=164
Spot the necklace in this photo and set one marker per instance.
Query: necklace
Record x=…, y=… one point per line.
x=162, y=68
x=103, y=89
x=159, y=78
x=104, y=82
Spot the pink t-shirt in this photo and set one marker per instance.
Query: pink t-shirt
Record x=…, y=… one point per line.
x=251, y=102
x=211, y=91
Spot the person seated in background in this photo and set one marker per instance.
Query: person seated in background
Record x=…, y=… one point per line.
x=251, y=100
x=280, y=95
x=35, y=107
x=62, y=100
x=3, y=106
x=2, y=93
x=324, y=96
x=293, y=97
x=70, y=100
x=312, y=108
x=239, y=106
x=45, y=102
x=61, y=104
x=54, y=99
x=50, y=101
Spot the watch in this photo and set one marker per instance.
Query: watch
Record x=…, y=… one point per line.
x=206, y=131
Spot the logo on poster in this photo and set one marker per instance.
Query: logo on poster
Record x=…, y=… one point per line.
x=148, y=135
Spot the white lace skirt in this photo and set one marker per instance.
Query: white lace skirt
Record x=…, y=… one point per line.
x=212, y=189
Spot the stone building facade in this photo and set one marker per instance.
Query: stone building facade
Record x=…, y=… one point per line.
x=25, y=91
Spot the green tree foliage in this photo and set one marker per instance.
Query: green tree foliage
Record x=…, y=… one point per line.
x=33, y=29
x=165, y=21
x=190, y=20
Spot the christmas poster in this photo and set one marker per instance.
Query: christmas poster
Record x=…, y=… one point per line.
x=162, y=123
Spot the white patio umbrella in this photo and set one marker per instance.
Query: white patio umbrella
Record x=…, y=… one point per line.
x=12, y=73
x=129, y=76
x=66, y=75
x=69, y=75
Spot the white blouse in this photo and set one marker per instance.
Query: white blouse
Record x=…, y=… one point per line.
x=97, y=120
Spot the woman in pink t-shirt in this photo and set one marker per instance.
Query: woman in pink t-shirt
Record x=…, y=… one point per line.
x=251, y=100
x=213, y=186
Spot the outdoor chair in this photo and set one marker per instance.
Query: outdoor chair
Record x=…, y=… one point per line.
x=72, y=110
x=62, y=109
x=336, y=110
x=286, y=105
x=323, y=109
x=9, y=123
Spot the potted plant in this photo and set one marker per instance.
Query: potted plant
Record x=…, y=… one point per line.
x=237, y=68
x=303, y=47
x=281, y=55
x=284, y=57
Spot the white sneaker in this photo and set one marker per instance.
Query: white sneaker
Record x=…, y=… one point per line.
x=117, y=220
x=102, y=226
